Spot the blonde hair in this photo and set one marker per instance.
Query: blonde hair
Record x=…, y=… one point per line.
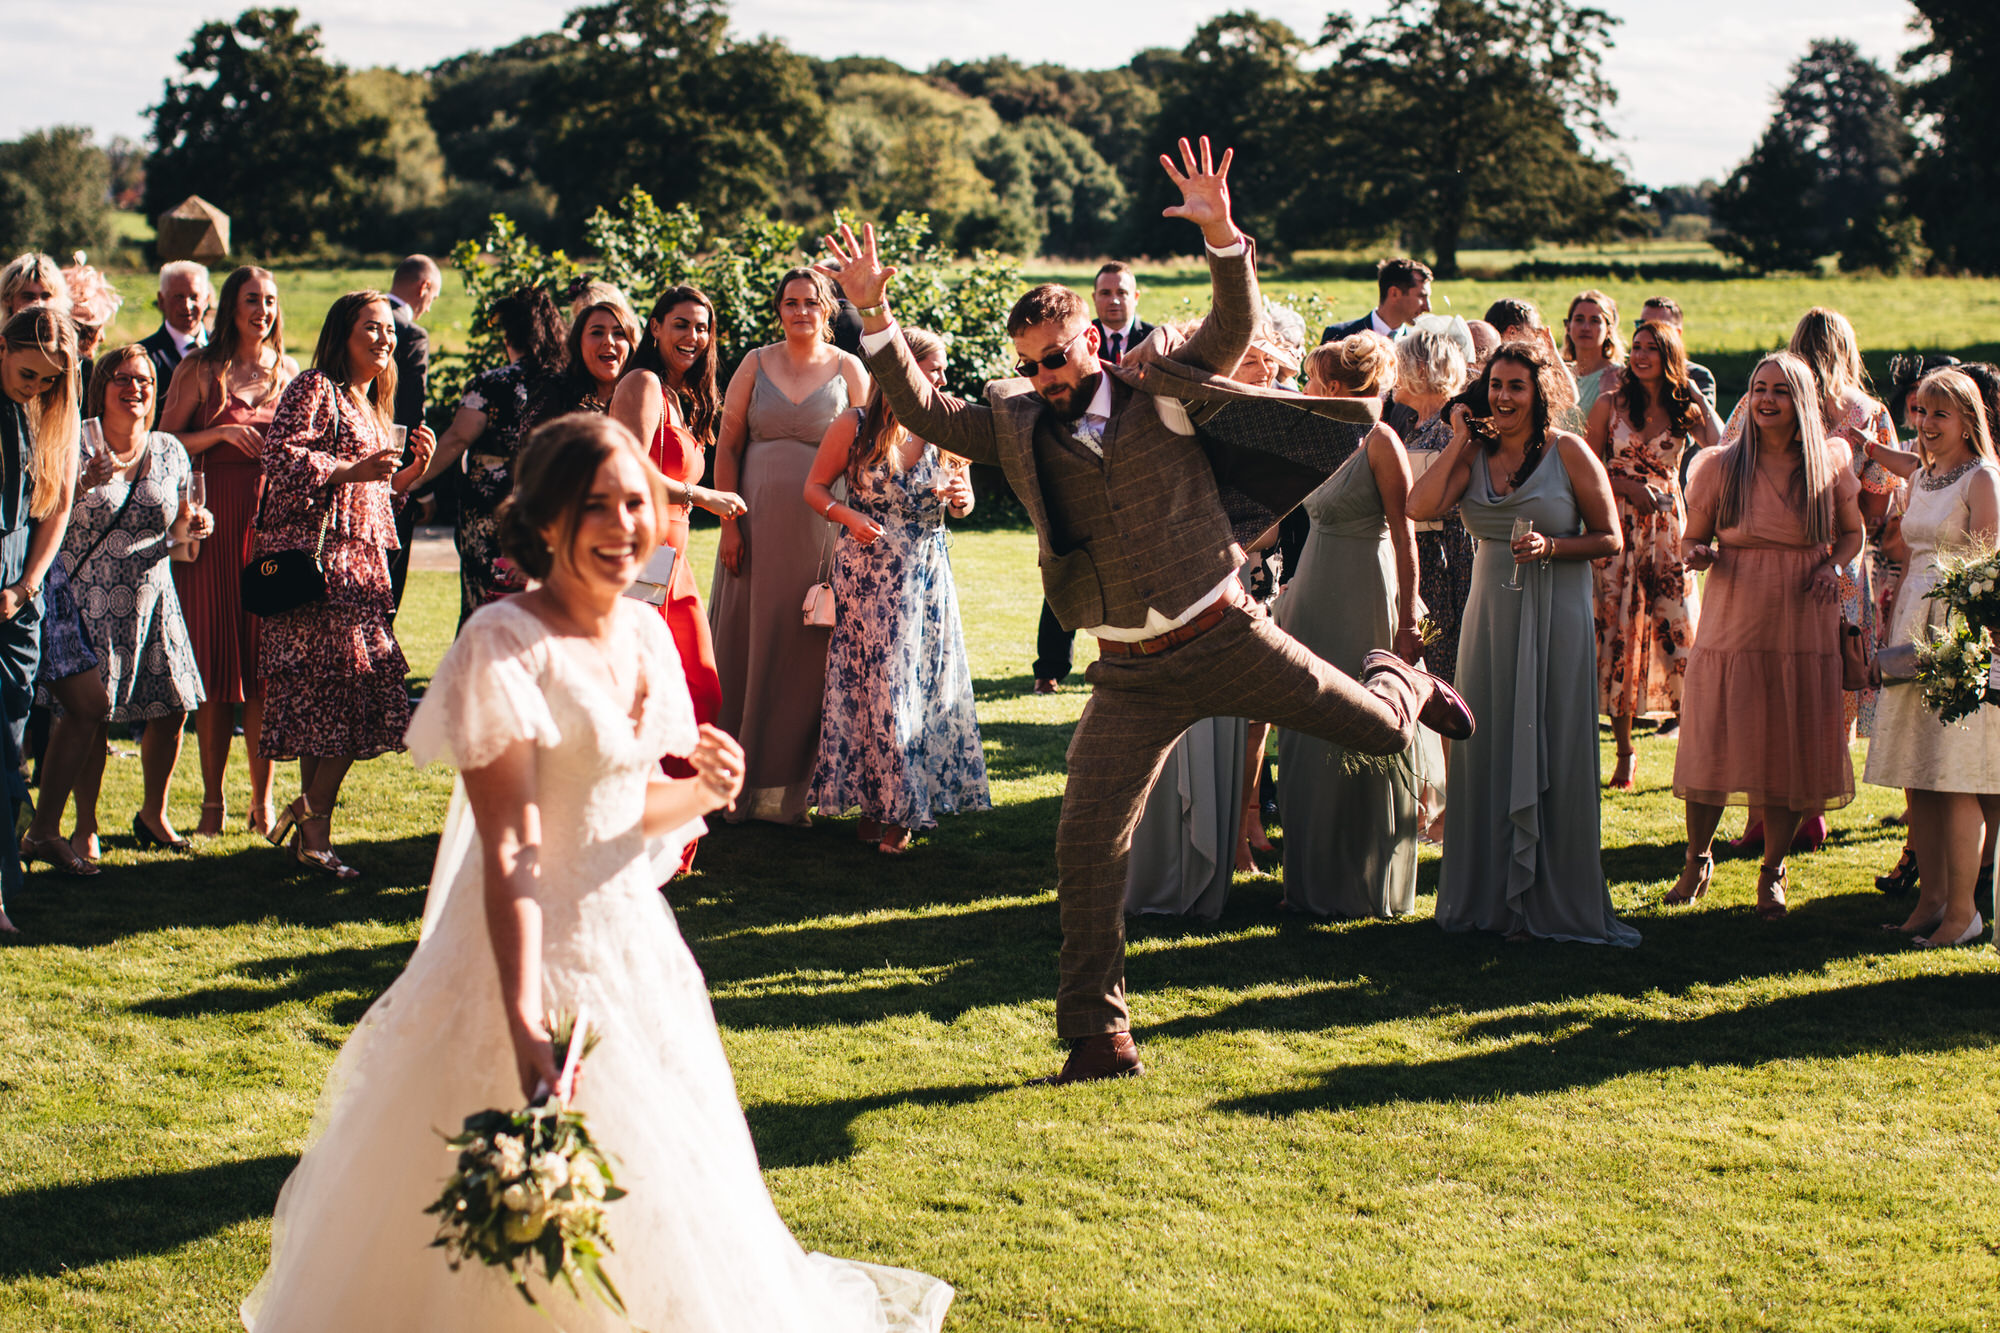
x=1816, y=470
x=1613, y=347
x=1959, y=389
x=33, y=267
x=1363, y=366
x=1825, y=341
x=1430, y=363
x=52, y=417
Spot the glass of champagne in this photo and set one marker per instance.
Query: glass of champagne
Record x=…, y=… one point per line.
x=91, y=442
x=1522, y=527
x=197, y=494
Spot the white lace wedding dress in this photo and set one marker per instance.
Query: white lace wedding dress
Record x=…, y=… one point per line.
x=699, y=1244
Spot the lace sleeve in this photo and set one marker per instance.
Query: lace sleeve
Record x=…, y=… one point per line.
x=487, y=693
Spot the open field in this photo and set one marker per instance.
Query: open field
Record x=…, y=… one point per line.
x=1363, y=1125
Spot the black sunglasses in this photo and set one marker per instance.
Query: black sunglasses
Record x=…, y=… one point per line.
x=1055, y=360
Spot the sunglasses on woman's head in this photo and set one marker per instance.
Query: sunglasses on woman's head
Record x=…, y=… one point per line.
x=1055, y=360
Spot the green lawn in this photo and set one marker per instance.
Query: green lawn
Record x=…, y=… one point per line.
x=1367, y=1125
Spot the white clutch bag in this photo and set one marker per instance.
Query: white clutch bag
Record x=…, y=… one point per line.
x=818, y=608
x=656, y=579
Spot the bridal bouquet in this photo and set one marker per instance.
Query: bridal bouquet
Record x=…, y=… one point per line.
x=1969, y=583
x=531, y=1187
x=1953, y=669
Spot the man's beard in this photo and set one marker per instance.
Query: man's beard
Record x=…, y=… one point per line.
x=1079, y=399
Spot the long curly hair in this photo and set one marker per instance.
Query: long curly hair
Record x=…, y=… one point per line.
x=880, y=435
x=1545, y=375
x=1677, y=393
x=702, y=405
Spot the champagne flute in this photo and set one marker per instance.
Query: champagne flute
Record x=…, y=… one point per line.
x=1522, y=528
x=91, y=442
x=197, y=493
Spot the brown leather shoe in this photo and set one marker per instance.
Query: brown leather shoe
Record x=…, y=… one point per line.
x=1442, y=710
x=1043, y=685
x=1113, y=1055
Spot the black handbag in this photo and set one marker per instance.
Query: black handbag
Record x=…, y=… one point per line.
x=282, y=581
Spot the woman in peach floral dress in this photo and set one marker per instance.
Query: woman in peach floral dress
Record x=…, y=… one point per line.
x=1645, y=594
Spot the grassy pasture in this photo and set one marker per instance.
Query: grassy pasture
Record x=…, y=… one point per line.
x=1361, y=1125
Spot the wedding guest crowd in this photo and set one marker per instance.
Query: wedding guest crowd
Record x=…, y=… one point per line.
x=1566, y=533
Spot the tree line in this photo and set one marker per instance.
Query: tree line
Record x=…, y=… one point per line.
x=1437, y=126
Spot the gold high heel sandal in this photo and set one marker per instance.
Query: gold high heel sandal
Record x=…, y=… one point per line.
x=1771, y=893
x=325, y=862
x=1684, y=892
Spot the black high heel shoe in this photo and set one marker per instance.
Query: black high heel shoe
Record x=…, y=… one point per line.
x=146, y=838
x=1899, y=883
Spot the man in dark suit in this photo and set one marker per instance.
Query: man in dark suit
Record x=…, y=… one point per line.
x=1115, y=293
x=1403, y=291
x=1138, y=549
x=411, y=290
x=184, y=299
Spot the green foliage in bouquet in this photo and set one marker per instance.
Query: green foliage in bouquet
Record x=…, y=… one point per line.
x=1969, y=583
x=645, y=250
x=1952, y=669
x=530, y=1191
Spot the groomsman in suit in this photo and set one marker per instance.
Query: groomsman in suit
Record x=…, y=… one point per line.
x=184, y=300
x=1115, y=293
x=1403, y=291
x=411, y=291
x=1137, y=549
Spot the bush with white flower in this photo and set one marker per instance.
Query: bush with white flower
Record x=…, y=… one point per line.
x=530, y=1190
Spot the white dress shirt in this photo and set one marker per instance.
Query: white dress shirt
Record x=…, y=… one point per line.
x=186, y=342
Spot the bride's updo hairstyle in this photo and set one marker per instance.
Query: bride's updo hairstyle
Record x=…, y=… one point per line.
x=553, y=473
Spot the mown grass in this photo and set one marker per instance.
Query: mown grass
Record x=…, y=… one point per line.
x=1362, y=1125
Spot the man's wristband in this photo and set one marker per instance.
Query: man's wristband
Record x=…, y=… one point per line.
x=869, y=312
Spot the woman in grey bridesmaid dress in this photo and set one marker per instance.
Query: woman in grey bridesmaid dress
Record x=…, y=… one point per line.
x=772, y=665
x=1522, y=855
x=1351, y=829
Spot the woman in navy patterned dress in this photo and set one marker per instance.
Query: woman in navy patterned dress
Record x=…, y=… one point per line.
x=899, y=740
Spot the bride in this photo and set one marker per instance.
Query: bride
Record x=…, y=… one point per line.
x=556, y=706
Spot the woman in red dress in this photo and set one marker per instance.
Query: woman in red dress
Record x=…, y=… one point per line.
x=220, y=406
x=668, y=399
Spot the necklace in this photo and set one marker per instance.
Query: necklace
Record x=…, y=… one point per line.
x=1938, y=483
x=127, y=460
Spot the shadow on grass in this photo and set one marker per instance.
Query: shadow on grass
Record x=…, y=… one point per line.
x=216, y=888
x=360, y=974
x=52, y=1229
x=1924, y=1013
x=822, y=1132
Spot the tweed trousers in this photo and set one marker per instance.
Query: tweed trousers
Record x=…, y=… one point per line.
x=1139, y=706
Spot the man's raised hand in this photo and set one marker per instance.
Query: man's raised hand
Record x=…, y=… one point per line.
x=862, y=274
x=1204, y=187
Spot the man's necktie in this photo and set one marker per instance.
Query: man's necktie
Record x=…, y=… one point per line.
x=1089, y=432
x=1114, y=347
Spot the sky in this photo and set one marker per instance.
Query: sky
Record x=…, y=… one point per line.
x=1695, y=78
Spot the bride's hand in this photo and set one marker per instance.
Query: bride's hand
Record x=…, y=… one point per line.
x=718, y=766
x=534, y=1058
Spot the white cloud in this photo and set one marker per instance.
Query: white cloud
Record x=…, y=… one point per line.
x=1695, y=78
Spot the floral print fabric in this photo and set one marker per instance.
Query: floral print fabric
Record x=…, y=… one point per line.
x=899, y=740
x=1645, y=596
x=502, y=397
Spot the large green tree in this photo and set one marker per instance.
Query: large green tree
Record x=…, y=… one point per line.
x=1239, y=80
x=659, y=94
x=1827, y=176
x=54, y=193
x=1444, y=120
x=262, y=125
x=1955, y=91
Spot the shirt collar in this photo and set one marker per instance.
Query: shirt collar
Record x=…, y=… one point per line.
x=1380, y=325
x=1124, y=332
x=183, y=342
x=1100, y=402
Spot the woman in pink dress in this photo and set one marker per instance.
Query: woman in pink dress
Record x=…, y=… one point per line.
x=1773, y=516
x=219, y=407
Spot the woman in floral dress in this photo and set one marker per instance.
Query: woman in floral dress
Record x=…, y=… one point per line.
x=333, y=673
x=486, y=431
x=898, y=738
x=1645, y=596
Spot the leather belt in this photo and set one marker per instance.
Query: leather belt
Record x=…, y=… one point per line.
x=1173, y=638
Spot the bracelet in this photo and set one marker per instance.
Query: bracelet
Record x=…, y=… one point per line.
x=867, y=312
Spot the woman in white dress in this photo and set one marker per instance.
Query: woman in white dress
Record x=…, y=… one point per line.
x=556, y=707
x=1951, y=774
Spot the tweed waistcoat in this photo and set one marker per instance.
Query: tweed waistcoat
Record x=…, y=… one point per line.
x=1080, y=519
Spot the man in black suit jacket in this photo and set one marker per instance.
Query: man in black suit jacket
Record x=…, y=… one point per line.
x=1115, y=293
x=1403, y=291
x=185, y=297
x=411, y=291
